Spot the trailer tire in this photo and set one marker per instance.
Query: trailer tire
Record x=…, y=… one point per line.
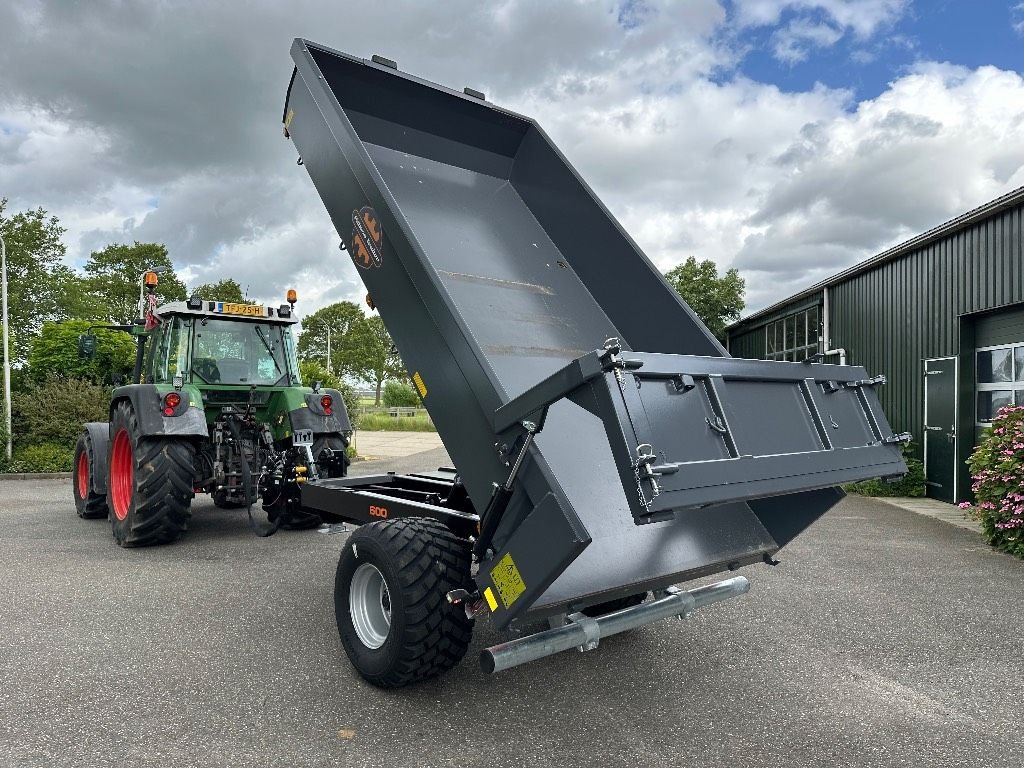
x=395, y=622
x=149, y=488
x=88, y=504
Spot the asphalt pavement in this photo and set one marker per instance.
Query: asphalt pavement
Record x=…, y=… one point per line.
x=883, y=639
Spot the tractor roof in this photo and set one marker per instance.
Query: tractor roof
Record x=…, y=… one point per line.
x=226, y=310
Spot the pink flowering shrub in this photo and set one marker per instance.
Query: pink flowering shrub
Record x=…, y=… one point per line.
x=997, y=468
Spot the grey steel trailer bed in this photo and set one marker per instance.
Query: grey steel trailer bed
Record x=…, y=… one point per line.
x=605, y=440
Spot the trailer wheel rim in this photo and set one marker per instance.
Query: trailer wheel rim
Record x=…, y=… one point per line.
x=83, y=475
x=370, y=606
x=122, y=474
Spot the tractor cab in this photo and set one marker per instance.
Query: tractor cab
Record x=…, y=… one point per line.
x=222, y=344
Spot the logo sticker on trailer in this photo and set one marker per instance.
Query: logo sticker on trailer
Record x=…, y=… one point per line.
x=367, y=238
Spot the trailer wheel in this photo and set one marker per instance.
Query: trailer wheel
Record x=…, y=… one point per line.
x=395, y=622
x=614, y=605
x=149, y=488
x=88, y=504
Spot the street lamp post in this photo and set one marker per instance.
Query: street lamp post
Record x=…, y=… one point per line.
x=7, y=353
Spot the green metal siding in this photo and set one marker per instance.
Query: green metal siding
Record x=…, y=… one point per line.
x=905, y=311
x=893, y=316
x=999, y=328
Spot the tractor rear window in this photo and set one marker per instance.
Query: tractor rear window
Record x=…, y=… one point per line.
x=240, y=352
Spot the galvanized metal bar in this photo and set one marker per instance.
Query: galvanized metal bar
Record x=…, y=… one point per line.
x=504, y=656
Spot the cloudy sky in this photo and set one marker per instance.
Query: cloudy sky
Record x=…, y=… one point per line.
x=787, y=138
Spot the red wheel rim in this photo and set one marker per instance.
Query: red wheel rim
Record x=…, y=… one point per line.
x=83, y=475
x=122, y=474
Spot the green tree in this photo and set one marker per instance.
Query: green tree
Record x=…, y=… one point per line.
x=400, y=394
x=372, y=355
x=55, y=352
x=112, y=279
x=341, y=319
x=717, y=301
x=222, y=290
x=41, y=287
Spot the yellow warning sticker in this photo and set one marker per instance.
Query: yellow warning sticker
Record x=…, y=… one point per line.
x=420, y=386
x=491, y=602
x=507, y=579
x=288, y=118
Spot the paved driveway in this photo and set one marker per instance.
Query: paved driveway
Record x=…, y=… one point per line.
x=883, y=639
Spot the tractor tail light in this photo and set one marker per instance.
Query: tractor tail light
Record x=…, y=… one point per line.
x=171, y=401
x=327, y=401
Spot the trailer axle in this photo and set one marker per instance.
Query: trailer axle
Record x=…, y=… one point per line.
x=584, y=632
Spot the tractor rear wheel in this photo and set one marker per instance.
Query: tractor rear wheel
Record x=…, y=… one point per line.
x=390, y=590
x=149, y=488
x=88, y=504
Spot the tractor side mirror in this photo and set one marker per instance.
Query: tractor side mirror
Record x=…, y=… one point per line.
x=87, y=346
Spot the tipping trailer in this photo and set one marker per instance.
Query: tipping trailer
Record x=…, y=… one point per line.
x=606, y=446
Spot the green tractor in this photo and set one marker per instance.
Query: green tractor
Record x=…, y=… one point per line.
x=215, y=406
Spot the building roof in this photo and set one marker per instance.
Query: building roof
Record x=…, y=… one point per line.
x=1001, y=203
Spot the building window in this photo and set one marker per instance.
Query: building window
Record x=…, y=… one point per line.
x=1000, y=380
x=793, y=338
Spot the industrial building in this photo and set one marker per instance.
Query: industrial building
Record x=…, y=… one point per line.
x=941, y=316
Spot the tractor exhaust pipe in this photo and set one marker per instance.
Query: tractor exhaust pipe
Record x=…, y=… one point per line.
x=585, y=633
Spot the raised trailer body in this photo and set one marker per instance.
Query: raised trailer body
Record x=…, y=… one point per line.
x=605, y=439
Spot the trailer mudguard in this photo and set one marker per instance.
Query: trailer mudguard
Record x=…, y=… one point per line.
x=556, y=361
x=188, y=421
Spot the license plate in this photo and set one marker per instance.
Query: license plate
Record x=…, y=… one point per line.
x=249, y=310
x=301, y=437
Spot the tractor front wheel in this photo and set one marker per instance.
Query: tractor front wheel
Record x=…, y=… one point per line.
x=88, y=504
x=149, y=488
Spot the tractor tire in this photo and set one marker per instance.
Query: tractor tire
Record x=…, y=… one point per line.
x=337, y=444
x=149, y=488
x=614, y=605
x=390, y=603
x=88, y=504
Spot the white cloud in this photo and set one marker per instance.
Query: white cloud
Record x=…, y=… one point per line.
x=808, y=24
x=1017, y=18
x=791, y=44
x=863, y=17
x=184, y=145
